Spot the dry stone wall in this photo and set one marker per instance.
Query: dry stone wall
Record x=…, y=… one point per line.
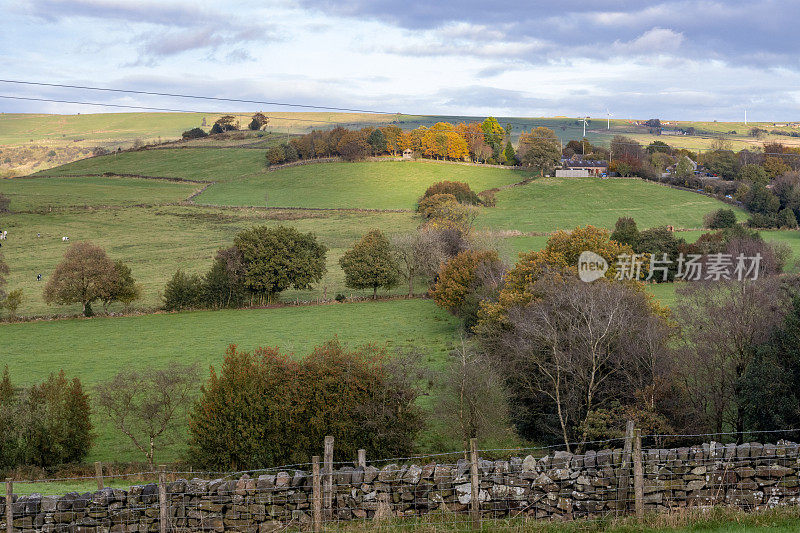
x=560, y=485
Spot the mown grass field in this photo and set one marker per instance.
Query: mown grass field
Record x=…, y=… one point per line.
x=549, y=204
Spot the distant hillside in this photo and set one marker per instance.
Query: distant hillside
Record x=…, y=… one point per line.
x=34, y=142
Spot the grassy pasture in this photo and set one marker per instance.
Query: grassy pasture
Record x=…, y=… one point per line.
x=368, y=185
x=156, y=241
x=548, y=204
x=96, y=349
x=42, y=193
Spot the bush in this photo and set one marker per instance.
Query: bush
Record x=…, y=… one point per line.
x=719, y=219
x=276, y=155
x=786, y=219
x=488, y=198
x=5, y=203
x=340, y=297
x=460, y=190
x=183, y=292
x=429, y=205
x=216, y=129
x=265, y=408
x=194, y=133
x=44, y=425
x=762, y=221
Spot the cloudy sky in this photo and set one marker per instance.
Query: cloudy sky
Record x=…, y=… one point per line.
x=699, y=60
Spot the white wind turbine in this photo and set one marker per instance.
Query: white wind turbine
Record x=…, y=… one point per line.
x=609, y=118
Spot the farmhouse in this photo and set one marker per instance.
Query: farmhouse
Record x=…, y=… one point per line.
x=577, y=168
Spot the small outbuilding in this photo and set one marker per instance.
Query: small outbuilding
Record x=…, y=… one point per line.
x=408, y=153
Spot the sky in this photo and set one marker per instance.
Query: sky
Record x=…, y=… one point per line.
x=692, y=60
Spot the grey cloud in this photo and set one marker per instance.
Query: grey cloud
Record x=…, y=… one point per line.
x=753, y=32
x=149, y=12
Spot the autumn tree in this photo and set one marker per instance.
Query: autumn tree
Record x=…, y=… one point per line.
x=466, y=280
x=353, y=146
x=493, y=134
x=442, y=141
x=84, y=275
x=369, y=264
x=540, y=150
x=277, y=258
x=148, y=405
x=393, y=136
x=460, y=190
x=258, y=121
x=473, y=135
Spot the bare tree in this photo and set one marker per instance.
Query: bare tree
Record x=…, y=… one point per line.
x=418, y=254
x=474, y=396
x=578, y=348
x=147, y=405
x=722, y=323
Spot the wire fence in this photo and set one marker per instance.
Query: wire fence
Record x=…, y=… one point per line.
x=614, y=478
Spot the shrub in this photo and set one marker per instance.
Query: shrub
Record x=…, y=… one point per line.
x=786, y=219
x=626, y=231
x=183, y=292
x=428, y=205
x=488, y=198
x=194, y=133
x=5, y=203
x=460, y=190
x=44, y=425
x=340, y=297
x=719, y=219
x=265, y=408
x=276, y=155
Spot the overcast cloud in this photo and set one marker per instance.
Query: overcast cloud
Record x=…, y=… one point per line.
x=669, y=59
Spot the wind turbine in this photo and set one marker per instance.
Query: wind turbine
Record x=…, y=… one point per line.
x=609, y=118
x=583, y=119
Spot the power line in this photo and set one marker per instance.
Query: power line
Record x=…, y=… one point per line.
x=196, y=97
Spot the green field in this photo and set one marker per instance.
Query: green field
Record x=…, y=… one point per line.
x=96, y=349
x=549, y=204
x=42, y=193
x=372, y=185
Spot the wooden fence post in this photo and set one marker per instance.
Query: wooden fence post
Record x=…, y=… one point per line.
x=638, y=474
x=624, y=477
x=316, y=510
x=327, y=480
x=362, y=459
x=474, y=503
x=162, y=499
x=98, y=473
x=9, y=510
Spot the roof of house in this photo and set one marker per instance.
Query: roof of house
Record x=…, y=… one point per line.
x=581, y=163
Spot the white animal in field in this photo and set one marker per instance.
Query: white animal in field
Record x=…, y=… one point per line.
x=64, y=239
x=3, y=235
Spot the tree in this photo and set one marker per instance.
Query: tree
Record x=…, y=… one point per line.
x=123, y=289
x=511, y=156
x=148, y=405
x=775, y=166
x=265, y=408
x=223, y=285
x=684, y=169
x=540, y=150
x=393, y=136
x=786, y=219
x=626, y=232
x=753, y=174
x=276, y=155
x=377, y=142
x=277, y=258
x=722, y=162
x=466, y=280
x=215, y=129
x=183, y=292
x=226, y=123
x=576, y=349
x=259, y=121
x=353, y=146
x=719, y=219
x=771, y=382
x=12, y=303
x=49, y=423
x=194, y=133
x=369, y=264
x=83, y=276
x=493, y=134
x=461, y=191
x=721, y=323
x=417, y=254
x=473, y=402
